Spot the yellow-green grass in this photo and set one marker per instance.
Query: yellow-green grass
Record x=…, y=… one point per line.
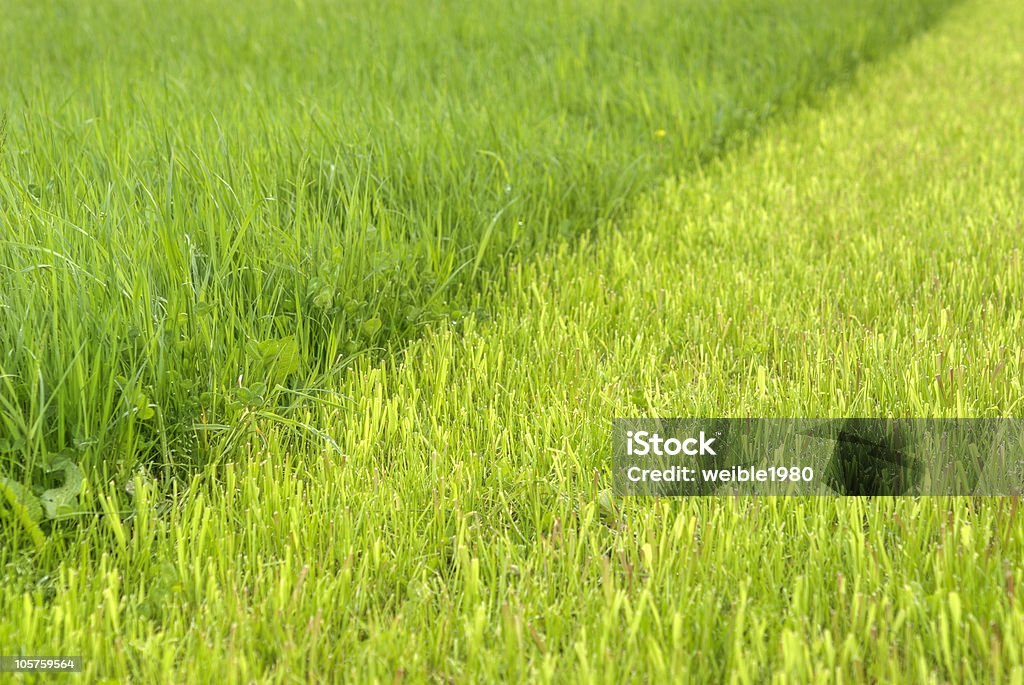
x=446, y=517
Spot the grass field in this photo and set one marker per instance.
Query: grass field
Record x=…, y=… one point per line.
x=203, y=204
x=355, y=425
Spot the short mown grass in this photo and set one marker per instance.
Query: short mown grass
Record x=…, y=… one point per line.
x=441, y=512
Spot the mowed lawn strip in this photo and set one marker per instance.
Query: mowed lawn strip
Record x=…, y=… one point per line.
x=860, y=260
x=206, y=208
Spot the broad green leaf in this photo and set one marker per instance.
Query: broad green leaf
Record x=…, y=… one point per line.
x=63, y=500
x=371, y=326
x=279, y=358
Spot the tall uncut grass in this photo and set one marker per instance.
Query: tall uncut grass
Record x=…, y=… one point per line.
x=209, y=209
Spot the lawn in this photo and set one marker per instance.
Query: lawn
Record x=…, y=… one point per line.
x=313, y=321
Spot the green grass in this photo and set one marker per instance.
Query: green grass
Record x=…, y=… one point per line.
x=202, y=205
x=441, y=512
